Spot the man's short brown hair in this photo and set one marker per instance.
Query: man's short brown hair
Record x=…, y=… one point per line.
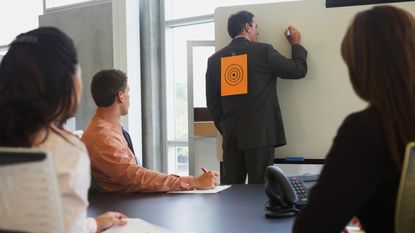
x=105, y=86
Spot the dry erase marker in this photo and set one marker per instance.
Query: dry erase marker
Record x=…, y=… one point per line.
x=288, y=34
x=204, y=170
x=294, y=159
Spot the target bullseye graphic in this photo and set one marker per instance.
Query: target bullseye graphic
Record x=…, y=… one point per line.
x=234, y=75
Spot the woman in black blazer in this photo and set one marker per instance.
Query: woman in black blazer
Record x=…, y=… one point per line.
x=362, y=170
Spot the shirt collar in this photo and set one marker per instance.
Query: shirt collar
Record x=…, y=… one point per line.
x=243, y=36
x=113, y=120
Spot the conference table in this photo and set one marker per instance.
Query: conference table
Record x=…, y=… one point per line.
x=238, y=209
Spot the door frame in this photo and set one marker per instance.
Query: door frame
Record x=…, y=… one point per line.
x=190, y=115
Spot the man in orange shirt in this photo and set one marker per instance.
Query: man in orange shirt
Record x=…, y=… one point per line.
x=113, y=162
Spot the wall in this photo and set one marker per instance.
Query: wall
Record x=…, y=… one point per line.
x=90, y=27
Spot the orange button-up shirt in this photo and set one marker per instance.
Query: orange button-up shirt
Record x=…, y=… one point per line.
x=113, y=163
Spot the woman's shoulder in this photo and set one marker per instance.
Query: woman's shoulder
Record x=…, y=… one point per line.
x=56, y=139
x=367, y=121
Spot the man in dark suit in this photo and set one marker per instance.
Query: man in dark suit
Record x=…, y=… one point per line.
x=250, y=120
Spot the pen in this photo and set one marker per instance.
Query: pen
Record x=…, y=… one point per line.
x=204, y=170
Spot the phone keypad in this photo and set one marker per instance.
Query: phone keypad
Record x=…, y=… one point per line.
x=299, y=188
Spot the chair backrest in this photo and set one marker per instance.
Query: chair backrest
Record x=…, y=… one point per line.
x=405, y=205
x=29, y=195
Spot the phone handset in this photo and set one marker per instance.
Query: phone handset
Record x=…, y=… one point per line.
x=281, y=194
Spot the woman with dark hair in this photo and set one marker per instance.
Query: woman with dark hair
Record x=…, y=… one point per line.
x=362, y=170
x=40, y=88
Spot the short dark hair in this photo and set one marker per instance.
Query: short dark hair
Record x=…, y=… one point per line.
x=105, y=86
x=237, y=21
x=36, y=85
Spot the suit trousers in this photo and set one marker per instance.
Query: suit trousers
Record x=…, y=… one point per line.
x=238, y=163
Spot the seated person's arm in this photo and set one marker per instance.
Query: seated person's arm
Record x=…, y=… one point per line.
x=115, y=164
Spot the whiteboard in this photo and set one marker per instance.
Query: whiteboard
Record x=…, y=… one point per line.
x=312, y=108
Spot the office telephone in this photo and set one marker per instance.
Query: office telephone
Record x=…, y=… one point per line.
x=286, y=194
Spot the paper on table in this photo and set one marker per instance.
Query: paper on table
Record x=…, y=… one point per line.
x=217, y=189
x=354, y=229
x=136, y=225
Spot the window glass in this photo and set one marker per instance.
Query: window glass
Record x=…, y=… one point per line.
x=176, y=9
x=182, y=158
x=200, y=57
x=60, y=3
x=176, y=75
x=18, y=16
x=178, y=160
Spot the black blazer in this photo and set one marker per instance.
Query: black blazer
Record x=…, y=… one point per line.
x=254, y=119
x=359, y=178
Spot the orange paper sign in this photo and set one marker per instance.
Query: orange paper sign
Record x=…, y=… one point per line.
x=234, y=75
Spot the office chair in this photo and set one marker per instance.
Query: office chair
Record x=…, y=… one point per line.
x=29, y=195
x=405, y=205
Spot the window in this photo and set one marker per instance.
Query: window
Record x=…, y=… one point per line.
x=18, y=16
x=59, y=3
x=176, y=91
x=200, y=56
x=177, y=78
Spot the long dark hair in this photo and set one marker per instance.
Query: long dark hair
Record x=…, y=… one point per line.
x=379, y=50
x=36, y=85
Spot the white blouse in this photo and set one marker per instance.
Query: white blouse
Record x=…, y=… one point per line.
x=72, y=165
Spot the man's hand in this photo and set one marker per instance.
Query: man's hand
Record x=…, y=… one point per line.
x=293, y=35
x=110, y=219
x=207, y=180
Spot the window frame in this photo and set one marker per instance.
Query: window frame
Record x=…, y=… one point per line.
x=171, y=24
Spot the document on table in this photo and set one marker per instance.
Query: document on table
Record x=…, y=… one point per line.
x=217, y=189
x=354, y=229
x=136, y=225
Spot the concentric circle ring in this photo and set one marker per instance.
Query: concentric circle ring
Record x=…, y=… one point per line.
x=234, y=75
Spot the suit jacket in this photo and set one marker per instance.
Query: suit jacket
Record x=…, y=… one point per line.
x=254, y=119
x=359, y=178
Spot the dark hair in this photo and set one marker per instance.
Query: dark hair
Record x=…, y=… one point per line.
x=105, y=86
x=379, y=50
x=36, y=85
x=237, y=21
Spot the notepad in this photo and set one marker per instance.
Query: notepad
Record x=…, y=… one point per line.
x=136, y=225
x=217, y=189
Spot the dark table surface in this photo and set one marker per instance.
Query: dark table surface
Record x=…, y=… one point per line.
x=237, y=209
